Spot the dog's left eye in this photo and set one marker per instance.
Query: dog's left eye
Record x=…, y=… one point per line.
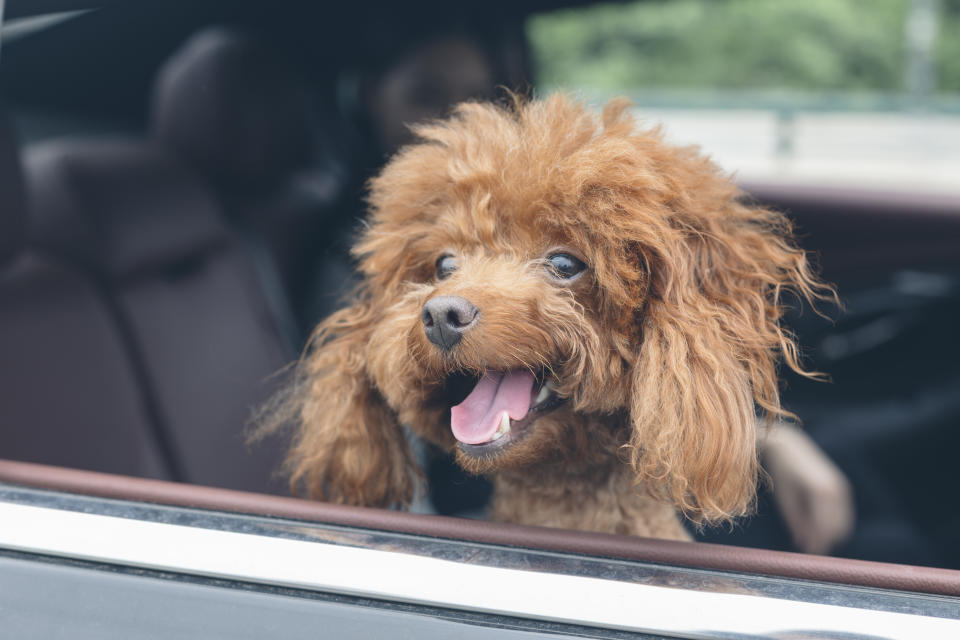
x=445, y=266
x=565, y=266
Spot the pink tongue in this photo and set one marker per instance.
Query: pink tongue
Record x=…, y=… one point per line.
x=475, y=420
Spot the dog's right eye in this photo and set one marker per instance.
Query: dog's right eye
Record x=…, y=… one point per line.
x=445, y=266
x=565, y=266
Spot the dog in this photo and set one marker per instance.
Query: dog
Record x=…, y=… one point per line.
x=581, y=312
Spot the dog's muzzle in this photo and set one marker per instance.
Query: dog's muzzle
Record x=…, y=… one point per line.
x=447, y=318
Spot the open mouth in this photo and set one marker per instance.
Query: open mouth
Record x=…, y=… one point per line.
x=498, y=408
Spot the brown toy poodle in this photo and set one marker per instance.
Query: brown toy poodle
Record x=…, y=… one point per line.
x=583, y=313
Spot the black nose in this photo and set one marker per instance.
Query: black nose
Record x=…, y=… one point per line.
x=447, y=318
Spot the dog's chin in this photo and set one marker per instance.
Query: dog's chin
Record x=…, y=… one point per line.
x=511, y=443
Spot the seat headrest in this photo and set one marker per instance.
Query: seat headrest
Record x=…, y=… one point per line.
x=229, y=105
x=118, y=206
x=12, y=201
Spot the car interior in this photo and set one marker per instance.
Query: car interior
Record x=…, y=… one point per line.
x=179, y=186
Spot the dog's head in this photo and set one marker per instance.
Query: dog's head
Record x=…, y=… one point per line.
x=542, y=284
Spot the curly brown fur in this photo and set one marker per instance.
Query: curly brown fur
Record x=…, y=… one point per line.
x=663, y=351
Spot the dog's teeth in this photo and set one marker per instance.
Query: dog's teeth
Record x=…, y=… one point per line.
x=504, y=427
x=545, y=392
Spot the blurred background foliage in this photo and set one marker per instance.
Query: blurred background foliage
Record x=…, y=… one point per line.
x=820, y=45
x=948, y=47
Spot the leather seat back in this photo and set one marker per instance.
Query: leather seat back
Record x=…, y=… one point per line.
x=184, y=287
x=232, y=108
x=71, y=394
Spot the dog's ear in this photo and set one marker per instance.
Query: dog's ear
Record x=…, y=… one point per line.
x=348, y=447
x=707, y=364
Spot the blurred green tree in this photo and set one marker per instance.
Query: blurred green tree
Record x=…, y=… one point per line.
x=948, y=47
x=842, y=45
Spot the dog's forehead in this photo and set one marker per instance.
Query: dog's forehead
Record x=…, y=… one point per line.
x=515, y=201
x=498, y=223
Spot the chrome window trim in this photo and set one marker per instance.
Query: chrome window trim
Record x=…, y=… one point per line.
x=578, y=590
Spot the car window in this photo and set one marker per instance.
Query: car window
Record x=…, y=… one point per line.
x=195, y=176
